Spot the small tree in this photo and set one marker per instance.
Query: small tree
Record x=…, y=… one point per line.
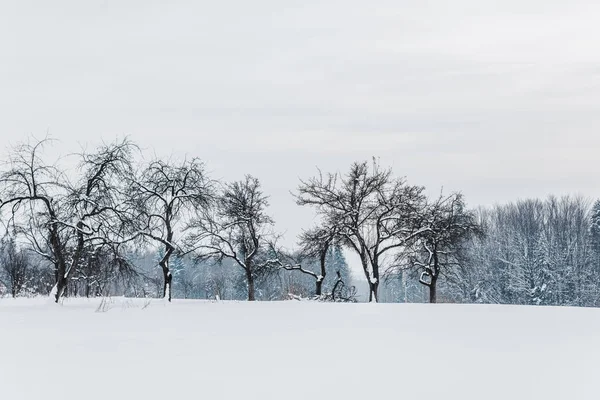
x=447, y=226
x=100, y=271
x=314, y=244
x=237, y=229
x=16, y=271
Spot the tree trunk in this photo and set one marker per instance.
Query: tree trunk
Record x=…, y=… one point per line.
x=164, y=264
x=433, y=290
x=59, y=288
x=320, y=279
x=60, y=266
x=250, y=280
x=167, y=278
x=319, y=287
x=373, y=295
x=372, y=276
x=62, y=273
x=434, y=277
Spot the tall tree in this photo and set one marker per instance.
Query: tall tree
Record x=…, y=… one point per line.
x=314, y=244
x=30, y=194
x=61, y=218
x=441, y=246
x=374, y=213
x=238, y=229
x=166, y=194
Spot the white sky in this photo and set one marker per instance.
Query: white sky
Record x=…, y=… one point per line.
x=498, y=99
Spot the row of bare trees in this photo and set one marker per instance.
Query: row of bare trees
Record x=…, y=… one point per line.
x=107, y=205
x=87, y=219
x=85, y=224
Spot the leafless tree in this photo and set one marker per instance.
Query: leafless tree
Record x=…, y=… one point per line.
x=374, y=213
x=101, y=217
x=61, y=218
x=165, y=195
x=100, y=271
x=314, y=244
x=30, y=193
x=439, y=248
x=237, y=229
x=15, y=268
x=341, y=292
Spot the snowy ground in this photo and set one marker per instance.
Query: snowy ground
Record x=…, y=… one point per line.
x=295, y=350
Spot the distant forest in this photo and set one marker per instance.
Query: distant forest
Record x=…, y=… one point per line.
x=118, y=226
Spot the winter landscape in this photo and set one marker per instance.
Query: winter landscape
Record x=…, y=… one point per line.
x=299, y=199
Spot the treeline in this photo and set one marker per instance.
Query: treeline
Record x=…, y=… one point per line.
x=24, y=274
x=117, y=226
x=537, y=252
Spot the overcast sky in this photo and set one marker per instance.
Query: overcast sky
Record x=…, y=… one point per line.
x=498, y=99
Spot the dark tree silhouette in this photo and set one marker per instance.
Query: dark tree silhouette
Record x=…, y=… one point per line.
x=374, y=213
x=237, y=229
x=446, y=228
x=61, y=218
x=165, y=194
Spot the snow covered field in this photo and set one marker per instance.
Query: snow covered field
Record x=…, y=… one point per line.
x=295, y=350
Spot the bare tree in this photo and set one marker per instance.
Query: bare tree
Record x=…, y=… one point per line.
x=374, y=213
x=314, y=244
x=440, y=246
x=100, y=271
x=15, y=269
x=341, y=292
x=100, y=214
x=216, y=285
x=30, y=192
x=237, y=229
x=60, y=218
x=165, y=193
